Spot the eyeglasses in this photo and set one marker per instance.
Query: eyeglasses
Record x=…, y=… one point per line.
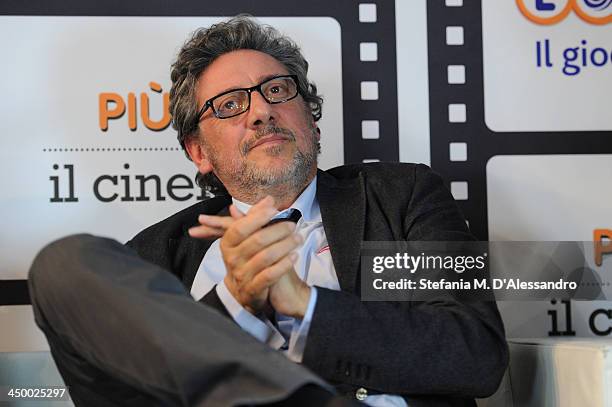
x=279, y=89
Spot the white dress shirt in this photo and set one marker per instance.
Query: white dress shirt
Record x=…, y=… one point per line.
x=314, y=266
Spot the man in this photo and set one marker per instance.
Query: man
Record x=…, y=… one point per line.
x=246, y=116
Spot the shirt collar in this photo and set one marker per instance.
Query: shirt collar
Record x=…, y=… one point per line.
x=306, y=203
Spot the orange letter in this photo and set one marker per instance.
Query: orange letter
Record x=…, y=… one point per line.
x=144, y=109
x=132, y=111
x=105, y=113
x=600, y=248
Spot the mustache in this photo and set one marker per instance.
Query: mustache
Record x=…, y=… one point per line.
x=263, y=132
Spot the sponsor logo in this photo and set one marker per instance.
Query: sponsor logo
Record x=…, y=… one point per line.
x=547, y=12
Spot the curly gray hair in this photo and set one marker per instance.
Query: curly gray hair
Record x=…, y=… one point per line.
x=207, y=44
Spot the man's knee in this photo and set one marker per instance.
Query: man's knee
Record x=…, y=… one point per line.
x=50, y=264
x=55, y=267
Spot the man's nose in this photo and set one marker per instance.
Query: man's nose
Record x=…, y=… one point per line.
x=261, y=112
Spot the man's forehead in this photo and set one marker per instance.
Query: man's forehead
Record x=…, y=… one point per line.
x=238, y=69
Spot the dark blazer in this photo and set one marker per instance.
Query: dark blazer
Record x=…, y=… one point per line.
x=442, y=352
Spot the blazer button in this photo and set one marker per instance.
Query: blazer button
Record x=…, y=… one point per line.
x=361, y=394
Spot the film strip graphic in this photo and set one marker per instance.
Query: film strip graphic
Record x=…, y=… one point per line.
x=461, y=143
x=369, y=68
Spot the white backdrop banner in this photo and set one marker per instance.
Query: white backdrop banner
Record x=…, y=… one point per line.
x=504, y=99
x=85, y=145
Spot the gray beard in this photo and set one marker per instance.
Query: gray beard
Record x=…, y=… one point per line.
x=250, y=184
x=256, y=183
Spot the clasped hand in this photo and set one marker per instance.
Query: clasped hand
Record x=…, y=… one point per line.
x=259, y=260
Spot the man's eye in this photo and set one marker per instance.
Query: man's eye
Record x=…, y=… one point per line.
x=230, y=104
x=276, y=89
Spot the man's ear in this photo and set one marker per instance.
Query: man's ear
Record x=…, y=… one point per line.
x=198, y=155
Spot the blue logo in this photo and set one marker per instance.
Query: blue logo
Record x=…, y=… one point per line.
x=541, y=5
x=596, y=4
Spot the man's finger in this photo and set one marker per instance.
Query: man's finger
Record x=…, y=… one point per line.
x=244, y=227
x=225, y=222
x=271, y=254
x=205, y=232
x=265, y=205
x=214, y=221
x=244, y=268
x=268, y=201
x=235, y=212
x=270, y=275
x=269, y=238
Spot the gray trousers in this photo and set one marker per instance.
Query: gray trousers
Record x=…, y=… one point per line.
x=126, y=332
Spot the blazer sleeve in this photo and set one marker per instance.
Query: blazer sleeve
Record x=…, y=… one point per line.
x=441, y=347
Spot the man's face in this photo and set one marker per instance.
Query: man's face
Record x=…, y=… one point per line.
x=270, y=145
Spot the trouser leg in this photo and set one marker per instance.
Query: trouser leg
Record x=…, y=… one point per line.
x=115, y=320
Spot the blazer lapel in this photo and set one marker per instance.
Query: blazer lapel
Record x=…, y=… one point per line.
x=342, y=203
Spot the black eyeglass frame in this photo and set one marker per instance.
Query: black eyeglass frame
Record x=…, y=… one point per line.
x=209, y=102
